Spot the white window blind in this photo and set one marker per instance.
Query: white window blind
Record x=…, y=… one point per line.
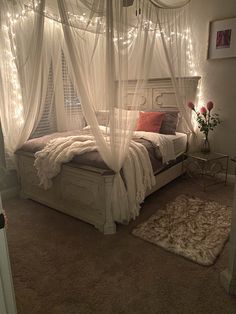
x=73, y=110
x=48, y=121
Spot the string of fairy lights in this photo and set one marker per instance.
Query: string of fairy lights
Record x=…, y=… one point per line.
x=15, y=97
x=81, y=22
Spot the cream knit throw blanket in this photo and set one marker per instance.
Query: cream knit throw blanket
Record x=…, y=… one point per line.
x=137, y=168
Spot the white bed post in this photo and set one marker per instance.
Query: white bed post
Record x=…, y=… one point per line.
x=228, y=276
x=109, y=226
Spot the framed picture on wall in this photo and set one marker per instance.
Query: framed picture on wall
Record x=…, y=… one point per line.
x=222, y=39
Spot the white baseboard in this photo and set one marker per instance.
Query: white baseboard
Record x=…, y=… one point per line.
x=10, y=193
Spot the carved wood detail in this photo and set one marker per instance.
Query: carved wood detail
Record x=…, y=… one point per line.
x=141, y=98
x=164, y=99
x=159, y=93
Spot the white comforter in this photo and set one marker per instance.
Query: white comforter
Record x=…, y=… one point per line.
x=137, y=170
x=163, y=141
x=165, y=144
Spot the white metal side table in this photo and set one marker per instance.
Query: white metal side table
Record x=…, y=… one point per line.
x=208, y=169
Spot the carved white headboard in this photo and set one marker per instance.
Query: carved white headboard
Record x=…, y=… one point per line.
x=159, y=94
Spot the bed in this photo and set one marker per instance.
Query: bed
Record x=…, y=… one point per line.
x=82, y=189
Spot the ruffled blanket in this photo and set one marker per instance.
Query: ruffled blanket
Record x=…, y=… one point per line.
x=137, y=171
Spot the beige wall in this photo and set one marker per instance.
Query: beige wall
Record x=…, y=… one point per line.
x=218, y=75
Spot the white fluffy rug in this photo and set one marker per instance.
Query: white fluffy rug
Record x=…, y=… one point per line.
x=194, y=228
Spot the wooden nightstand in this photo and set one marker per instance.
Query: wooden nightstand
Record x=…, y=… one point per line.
x=207, y=169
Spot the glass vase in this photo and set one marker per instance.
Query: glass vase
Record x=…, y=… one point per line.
x=205, y=146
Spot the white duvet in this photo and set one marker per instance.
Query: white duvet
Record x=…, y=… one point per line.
x=163, y=141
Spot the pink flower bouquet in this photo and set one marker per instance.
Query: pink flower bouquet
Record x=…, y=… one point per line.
x=206, y=120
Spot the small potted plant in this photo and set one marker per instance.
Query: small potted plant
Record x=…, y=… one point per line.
x=206, y=122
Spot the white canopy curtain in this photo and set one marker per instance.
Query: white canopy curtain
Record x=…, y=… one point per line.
x=174, y=34
x=107, y=89
x=173, y=56
x=24, y=71
x=78, y=57
x=170, y=4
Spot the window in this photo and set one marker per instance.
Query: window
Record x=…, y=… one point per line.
x=73, y=109
x=48, y=121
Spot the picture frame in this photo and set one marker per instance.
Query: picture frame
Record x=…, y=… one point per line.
x=222, y=39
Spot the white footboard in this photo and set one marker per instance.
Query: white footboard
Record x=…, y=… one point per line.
x=83, y=193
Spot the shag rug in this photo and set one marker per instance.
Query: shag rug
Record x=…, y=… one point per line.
x=194, y=228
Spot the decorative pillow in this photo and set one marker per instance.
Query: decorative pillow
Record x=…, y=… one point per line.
x=102, y=117
x=124, y=117
x=150, y=121
x=169, y=122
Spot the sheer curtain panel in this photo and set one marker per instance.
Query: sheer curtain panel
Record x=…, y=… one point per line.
x=64, y=63
x=24, y=72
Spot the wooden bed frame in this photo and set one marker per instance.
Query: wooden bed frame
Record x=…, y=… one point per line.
x=84, y=192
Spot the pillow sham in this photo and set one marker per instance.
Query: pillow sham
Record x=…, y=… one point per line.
x=150, y=121
x=169, y=123
x=103, y=117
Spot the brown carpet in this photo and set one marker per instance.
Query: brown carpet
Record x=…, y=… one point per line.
x=189, y=226
x=63, y=266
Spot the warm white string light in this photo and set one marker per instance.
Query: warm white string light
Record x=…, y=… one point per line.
x=16, y=96
x=85, y=21
x=81, y=21
x=193, y=68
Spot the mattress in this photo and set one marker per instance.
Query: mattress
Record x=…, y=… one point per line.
x=91, y=159
x=94, y=159
x=180, y=143
x=171, y=146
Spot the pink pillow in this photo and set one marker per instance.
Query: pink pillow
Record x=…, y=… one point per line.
x=150, y=121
